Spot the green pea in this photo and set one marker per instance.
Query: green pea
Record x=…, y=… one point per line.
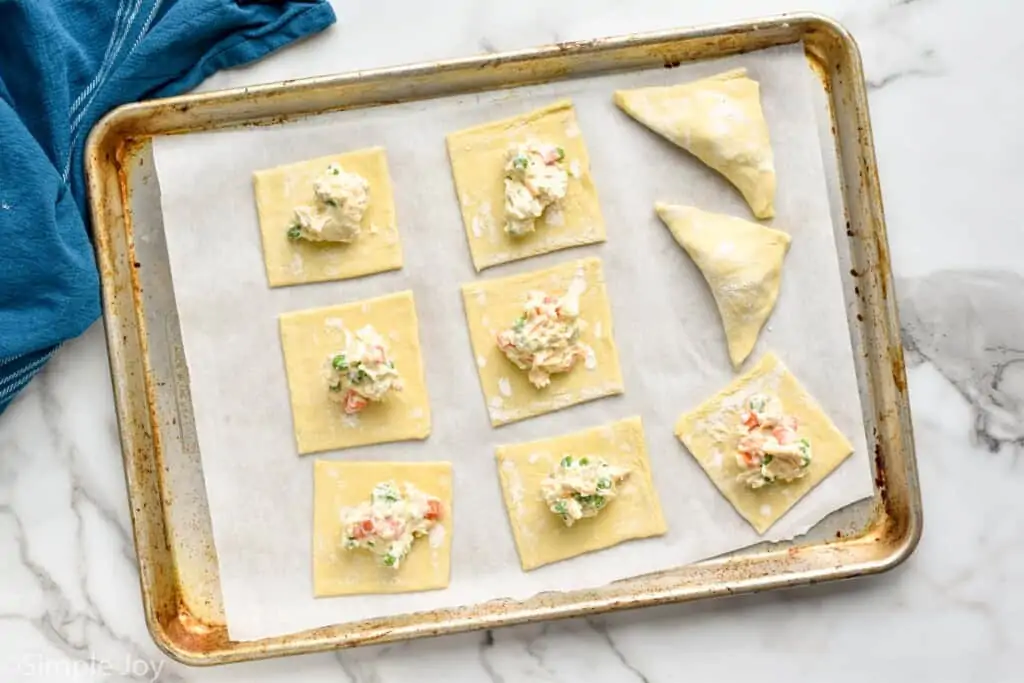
x=339, y=362
x=294, y=233
x=560, y=152
x=390, y=560
x=604, y=483
x=584, y=460
x=567, y=461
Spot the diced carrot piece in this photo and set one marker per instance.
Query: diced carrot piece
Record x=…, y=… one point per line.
x=784, y=435
x=354, y=402
x=433, y=509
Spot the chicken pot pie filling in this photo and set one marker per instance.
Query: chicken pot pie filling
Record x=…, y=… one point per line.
x=340, y=201
x=363, y=372
x=545, y=339
x=770, y=449
x=387, y=525
x=581, y=487
x=535, y=179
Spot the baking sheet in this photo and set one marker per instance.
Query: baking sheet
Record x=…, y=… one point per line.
x=260, y=491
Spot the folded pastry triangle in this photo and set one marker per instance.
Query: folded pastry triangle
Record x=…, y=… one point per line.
x=742, y=263
x=719, y=120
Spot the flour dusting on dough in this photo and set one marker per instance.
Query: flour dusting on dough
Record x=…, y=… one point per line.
x=336, y=323
x=481, y=361
x=436, y=535
x=504, y=386
x=483, y=221
x=515, y=484
x=724, y=249
x=351, y=421
x=478, y=226
x=717, y=459
x=554, y=217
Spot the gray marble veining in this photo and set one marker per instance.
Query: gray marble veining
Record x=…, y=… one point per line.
x=970, y=325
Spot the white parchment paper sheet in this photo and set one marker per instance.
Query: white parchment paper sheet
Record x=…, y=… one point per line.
x=669, y=334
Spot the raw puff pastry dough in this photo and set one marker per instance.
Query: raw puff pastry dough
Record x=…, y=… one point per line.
x=493, y=305
x=711, y=434
x=541, y=537
x=478, y=157
x=337, y=571
x=742, y=263
x=279, y=190
x=719, y=120
x=310, y=338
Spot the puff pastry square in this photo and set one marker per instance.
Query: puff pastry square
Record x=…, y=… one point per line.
x=279, y=190
x=492, y=305
x=310, y=338
x=337, y=571
x=541, y=537
x=478, y=158
x=710, y=434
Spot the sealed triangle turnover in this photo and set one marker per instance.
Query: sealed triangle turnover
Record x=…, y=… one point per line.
x=742, y=263
x=720, y=121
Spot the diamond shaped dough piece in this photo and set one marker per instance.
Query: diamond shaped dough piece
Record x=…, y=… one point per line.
x=478, y=166
x=350, y=572
x=719, y=120
x=709, y=432
x=541, y=537
x=742, y=263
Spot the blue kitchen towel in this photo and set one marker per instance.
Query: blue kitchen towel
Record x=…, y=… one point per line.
x=63, y=65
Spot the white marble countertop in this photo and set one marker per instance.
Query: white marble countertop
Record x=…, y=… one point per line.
x=945, y=128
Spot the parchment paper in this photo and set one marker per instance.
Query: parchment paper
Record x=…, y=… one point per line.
x=669, y=334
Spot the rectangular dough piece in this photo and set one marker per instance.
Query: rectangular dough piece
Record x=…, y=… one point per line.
x=279, y=190
x=337, y=571
x=311, y=338
x=541, y=536
x=478, y=157
x=493, y=305
x=710, y=433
